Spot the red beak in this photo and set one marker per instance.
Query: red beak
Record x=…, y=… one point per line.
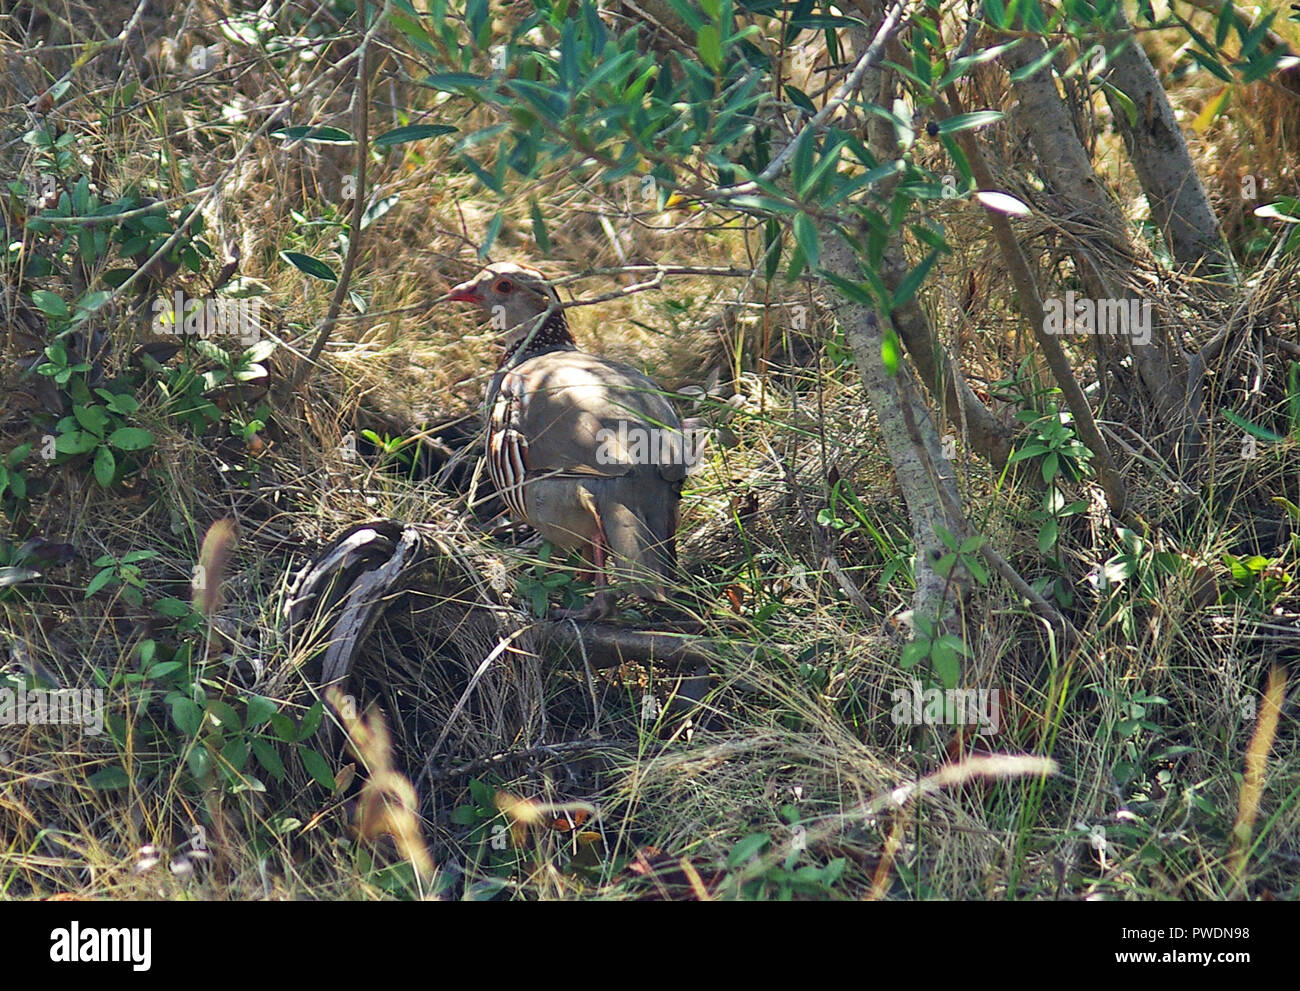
x=466, y=292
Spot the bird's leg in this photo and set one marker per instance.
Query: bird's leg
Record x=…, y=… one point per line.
x=588, y=569
x=603, y=602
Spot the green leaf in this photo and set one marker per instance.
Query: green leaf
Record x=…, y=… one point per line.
x=1044, y=60
x=946, y=664
x=494, y=228
x=109, y=779
x=772, y=235
x=1263, y=433
x=99, y=581
x=829, y=162
x=761, y=204
x=1051, y=466
x=1213, y=66
x=131, y=439
x=260, y=710
x=186, y=714
x=105, y=466
x=912, y=281
x=891, y=351
x=913, y=653
x=172, y=607
x=800, y=99
x=964, y=122
x=91, y=302
x=76, y=442
x=49, y=303
x=121, y=403
x=540, y=234
x=377, y=209
x=854, y=292
x=454, y=82
x=93, y=418
x=317, y=767
x=311, y=721
x=314, y=135
x=747, y=848
x=805, y=233
x=284, y=728
x=801, y=162
x=1119, y=96
x=709, y=44
x=1047, y=536
x=1120, y=567
x=959, y=66
x=308, y=265
x=464, y=815
x=224, y=715
x=268, y=757
x=412, y=132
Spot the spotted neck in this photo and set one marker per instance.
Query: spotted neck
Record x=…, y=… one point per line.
x=553, y=335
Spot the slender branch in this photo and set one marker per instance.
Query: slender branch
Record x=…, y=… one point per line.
x=869, y=58
x=1031, y=306
x=361, y=116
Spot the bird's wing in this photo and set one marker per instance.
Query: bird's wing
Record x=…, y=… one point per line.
x=587, y=416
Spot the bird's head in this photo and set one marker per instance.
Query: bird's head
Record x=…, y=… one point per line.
x=514, y=296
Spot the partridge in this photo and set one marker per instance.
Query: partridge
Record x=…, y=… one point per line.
x=584, y=449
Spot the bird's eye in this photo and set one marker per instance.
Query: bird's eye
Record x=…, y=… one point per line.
x=504, y=286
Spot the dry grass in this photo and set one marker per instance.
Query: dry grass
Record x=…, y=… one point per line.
x=535, y=776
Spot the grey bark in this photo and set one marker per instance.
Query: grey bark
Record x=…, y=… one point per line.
x=1101, y=248
x=912, y=443
x=1178, y=201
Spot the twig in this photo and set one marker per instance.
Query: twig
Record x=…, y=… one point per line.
x=869, y=58
x=362, y=127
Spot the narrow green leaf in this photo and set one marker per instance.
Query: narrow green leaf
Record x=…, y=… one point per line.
x=964, y=122
x=959, y=66
x=1044, y=60
x=912, y=281
x=454, y=82
x=99, y=581
x=1254, y=429
x=308, y=265
x=1126, y=104
x=854, y=292
x=317, y=767
x=105, y=466
x=314, y=135
x=494, y=228
x=805, y=233
x=891, y=351
x=540, y=234
x=709, y=44
x=412, y=132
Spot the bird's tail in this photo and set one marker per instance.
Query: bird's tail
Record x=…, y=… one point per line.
x=643, y=545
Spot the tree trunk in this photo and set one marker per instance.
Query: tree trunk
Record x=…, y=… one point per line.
x=1179, y=204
